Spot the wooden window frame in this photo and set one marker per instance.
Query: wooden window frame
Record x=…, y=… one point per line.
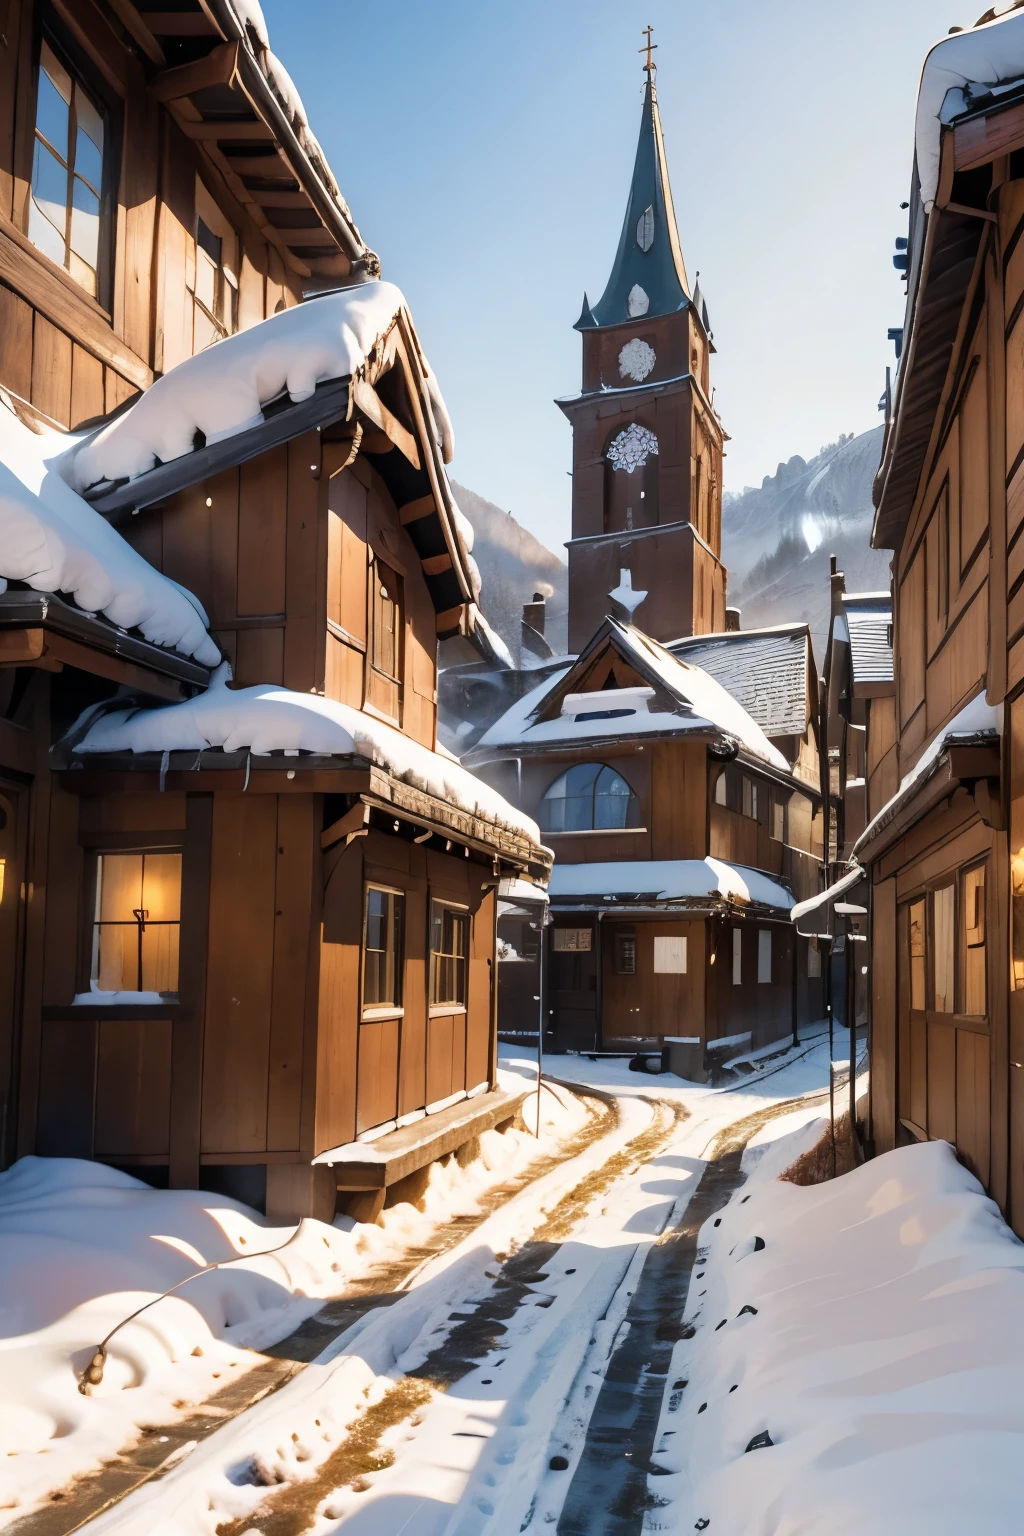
x=438, y=1009
x=371, y=1013
x=89, y=77
x=391, y=681
x=89, y=924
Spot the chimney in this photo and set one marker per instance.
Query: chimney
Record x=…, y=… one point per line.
x=732, y=621
x=533, y=613
x=838, y=585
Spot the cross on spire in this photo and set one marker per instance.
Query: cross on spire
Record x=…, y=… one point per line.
x=648, y=48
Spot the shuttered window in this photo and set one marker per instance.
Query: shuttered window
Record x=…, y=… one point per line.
x=764, y=954
x=737, y=957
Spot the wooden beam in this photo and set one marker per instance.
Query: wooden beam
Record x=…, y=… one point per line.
x=25, y=269
x=129, y=15
x=366, y=399
x=38, y=647
x=24, y=648
x=352, y=824
x=436, y=565
x=275, y=199
x=984, y=138
x=218, y=68
x=451, y=621
x=310, y=234
x=274, y=165
x=412, y=511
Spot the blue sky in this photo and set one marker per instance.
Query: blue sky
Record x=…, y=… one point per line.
x=486, y=152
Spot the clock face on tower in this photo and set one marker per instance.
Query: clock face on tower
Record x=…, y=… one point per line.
x=636, y=360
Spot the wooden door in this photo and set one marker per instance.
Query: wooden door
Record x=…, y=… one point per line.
x=626, y=1011
x=13, y=806
x=572, y=984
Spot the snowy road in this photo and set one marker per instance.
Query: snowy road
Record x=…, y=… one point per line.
x=518, y=1383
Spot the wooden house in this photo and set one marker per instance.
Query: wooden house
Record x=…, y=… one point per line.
x=248, y=915
x=682, y=836
x=943, y=849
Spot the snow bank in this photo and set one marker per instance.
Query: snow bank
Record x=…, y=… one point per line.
x=958, y=68
x=222, y=390
x=83, y=1245
x=265, y=718
x=668, y=880
x=873, y=1341
x=53, y=540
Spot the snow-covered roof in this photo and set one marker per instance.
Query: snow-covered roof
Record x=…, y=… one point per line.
x=978, y=722
x=266, y=718
x=869, y=629
x=826, y=897
x=221, y=391
x=698, y=704
x=52, y=540
x=956, y=71
x=668, y=880
x=765, y=670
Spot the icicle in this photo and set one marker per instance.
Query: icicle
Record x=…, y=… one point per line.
x=165, y=760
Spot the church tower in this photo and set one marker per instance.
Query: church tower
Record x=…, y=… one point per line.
x=647, y=445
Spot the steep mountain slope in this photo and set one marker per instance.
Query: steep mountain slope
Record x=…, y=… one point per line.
x=776, y=540
x=513, y=566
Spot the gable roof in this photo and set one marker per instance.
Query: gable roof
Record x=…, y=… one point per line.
x=869, y=625
x=766, y=670
x=310, y=366
x=683, y=700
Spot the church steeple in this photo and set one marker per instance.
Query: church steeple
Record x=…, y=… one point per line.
x=647, y=442
x=648, y=275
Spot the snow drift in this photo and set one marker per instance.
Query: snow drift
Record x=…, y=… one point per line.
x=53, y=540
x=222, y=391
x=860, y=1369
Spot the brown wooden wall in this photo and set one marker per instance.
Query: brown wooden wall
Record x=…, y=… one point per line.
x=370, y=1072
x=70, y=355
x=765, y=1008
x=647, y=1003
x=278, y=552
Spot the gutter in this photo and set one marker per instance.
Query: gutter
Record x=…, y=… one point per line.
x=266, y=106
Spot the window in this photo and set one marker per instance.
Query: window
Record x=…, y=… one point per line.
x=973, y=907
x=588, y=797
x=669, y=954
x=65, y=211
x=382, y=949
x=214, y=281
x=449, y=949
x=778, y=821
x=813, y=959
x=625, y=952
x=571, y=940
x=737, y=957
x=386, y=616
x=764, y=954
x=943, y=948
x=750, y=798
x=136, y=922
x=918, y=973
x=721, y=790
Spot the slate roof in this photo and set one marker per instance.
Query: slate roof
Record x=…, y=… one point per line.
x=869, y=620
x=659, y=269
x=765, y=670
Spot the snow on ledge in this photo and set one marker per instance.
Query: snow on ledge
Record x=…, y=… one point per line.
x=222, y=391
x=55, y=542
x=978, y=718
x=669, y=880
x=968, y=63
x=266, y=718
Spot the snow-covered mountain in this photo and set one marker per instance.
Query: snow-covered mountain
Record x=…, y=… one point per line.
x=776, y=540
x=513, y=566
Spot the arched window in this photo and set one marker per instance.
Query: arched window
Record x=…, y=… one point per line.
x=589, y=796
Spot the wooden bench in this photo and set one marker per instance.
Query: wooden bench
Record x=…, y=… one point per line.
x=364, y=1171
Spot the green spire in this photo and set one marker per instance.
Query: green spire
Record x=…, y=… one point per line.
x=648, y=275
